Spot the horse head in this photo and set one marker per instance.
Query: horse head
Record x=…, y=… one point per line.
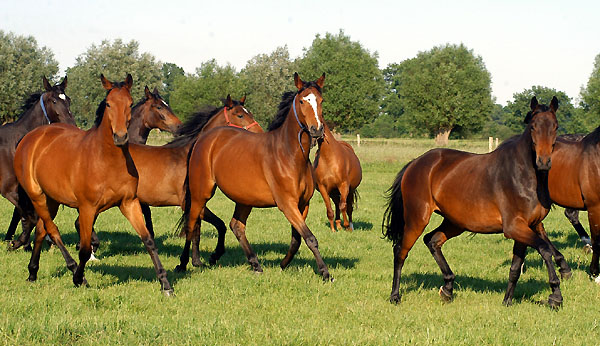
x=236, y=115
x=307, y=106
x=118, y=107
x=542, y=124
x=160, y=114
x=55, y=103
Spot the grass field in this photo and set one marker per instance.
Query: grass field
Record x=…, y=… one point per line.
x=229, y=304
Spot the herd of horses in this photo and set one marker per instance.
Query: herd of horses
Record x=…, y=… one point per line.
x=46, y=161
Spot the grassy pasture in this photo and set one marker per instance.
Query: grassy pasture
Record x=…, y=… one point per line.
x=229, y=304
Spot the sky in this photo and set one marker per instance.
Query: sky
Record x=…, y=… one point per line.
x=522, y=43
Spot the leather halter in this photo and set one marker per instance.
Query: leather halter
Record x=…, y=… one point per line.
x=302, y=127
x=44, y=108
x=234, y=125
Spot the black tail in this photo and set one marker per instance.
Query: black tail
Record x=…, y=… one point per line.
x=354, y=199
x=393, y=218
x=181, y=226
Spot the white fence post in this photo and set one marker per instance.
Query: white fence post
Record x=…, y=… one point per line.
x=491, y=144
x=358, y=139
x=496, y=142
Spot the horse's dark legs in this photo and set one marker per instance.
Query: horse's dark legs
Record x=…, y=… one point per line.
x=132, y=211
x=343, y=205
x=148, y=218
x=14, y=222
x=238, y=227
x=214, y=220
x=95, y=241
x=335, y=196
x=184, y=258
x=434, y=241
x=295, y=243
x=86, y=218
x=519, y=251
x=350, y=207
x=327, y=201
x=521, y=232
x=573, y=216
x=559, y=259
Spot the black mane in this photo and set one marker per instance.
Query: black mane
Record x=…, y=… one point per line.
x=286, y=104
x=189, y=130
x=592, y=138
x=29, y=103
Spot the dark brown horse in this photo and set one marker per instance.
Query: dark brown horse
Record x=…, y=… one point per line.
x=508, y=185
x=573, y=183
x=337, y=174
x=261, y=170
x=91, y=171
x=50, y=106
x=152, y=112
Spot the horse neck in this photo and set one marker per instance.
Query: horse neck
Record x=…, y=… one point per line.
x=329, y=144
x=216, y=120
x=32, y=118
x=287, y=134
x=138, y=132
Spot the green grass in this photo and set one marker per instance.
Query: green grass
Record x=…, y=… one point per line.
x=229, y=304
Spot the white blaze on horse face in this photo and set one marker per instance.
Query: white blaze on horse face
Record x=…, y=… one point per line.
x=312, y=100
x=62, y=97
x=245, y=110
x=163, y=101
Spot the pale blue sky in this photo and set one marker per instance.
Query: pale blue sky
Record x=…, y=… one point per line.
x=523, y=43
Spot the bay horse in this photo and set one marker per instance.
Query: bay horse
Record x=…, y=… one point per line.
x=50, y=106
x=509, y=185
x=272, y=169
x=91, y=171
x=337, y=175
x=149, y=113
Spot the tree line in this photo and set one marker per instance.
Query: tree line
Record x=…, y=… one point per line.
x=443, y=92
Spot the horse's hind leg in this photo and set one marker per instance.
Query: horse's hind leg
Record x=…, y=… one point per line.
x=327, y=201
x=95, y=241
x=132, y=210
x=559, y=259
x=519, y=251
x=14, y=222
x=238, y=227
x=344, y=194
x=214, y=220
x=148, y=218
x=573, y=216
x=295, y=243
x=434, y=241
x=350, y=207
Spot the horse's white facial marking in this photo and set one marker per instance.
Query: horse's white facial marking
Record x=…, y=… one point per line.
x=245, y=110
x=163, y=101
x=312, y=100
x=62, y=97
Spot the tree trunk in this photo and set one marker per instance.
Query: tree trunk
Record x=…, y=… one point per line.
x=441, y=138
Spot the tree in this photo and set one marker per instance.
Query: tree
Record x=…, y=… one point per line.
x=208, y=86
x=568, y=119
x=114, y=60
x=170, y=72
x=22, y=66
x=353, y=85
x=590, y=95
x=265, y=79
x=443, y=88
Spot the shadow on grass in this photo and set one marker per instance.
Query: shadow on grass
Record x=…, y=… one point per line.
x=525, y=289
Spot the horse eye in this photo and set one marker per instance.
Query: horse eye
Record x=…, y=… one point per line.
x=107, y=105
x=54, y=101
x=159, y=107
x=240, y=116
x=301, y=102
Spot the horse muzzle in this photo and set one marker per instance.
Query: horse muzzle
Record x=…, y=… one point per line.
x=543, y=163
x=120, y=140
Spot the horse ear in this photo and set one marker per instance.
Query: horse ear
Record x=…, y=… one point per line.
x=534, y=103
x=147, y=92
x=243, y=100
x=47, y=85
x=321, y=80
x=554, y=104
x=129, y=81
x=106, y=84
x=297, y=81
x=63, y=84
x=228, y=101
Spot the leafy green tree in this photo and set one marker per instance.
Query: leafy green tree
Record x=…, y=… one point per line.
x=445, y=87
x=590, y=96
x=22, y=66
x=170, y=72
x=391, y=103
x=208, y=86
x=354, y=83
x=265, y=78
x=495, y=125
x=114, y=60
x=568, y=119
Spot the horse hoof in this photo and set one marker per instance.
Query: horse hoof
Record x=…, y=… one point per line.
x=14, y=245
x=553, y=303
x=212, y=261
x=168, y=293
x=328, y=278
x=507, y=302
x=180, y=269
x=197, y=263
x=93, y=257
x=31, y=278
x=395, y=298
x=446, y=296
x=566, y=275
x=587, y=248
